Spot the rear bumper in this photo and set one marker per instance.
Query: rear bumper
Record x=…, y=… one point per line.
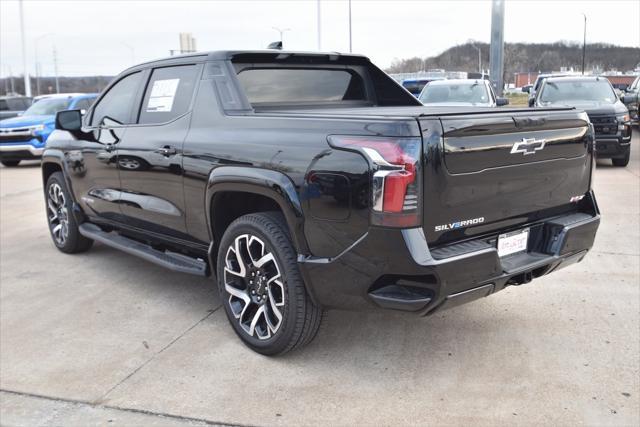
x=396, y=269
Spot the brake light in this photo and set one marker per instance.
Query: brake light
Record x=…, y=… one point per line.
x=395, y=179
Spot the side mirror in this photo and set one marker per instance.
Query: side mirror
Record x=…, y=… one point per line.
x=629, y=99
x=69, y=120
x=502, y=101
x=526, y=89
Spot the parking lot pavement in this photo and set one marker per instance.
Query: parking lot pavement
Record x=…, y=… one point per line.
x=104, y=337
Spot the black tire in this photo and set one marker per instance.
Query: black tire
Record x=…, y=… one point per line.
x=10, y=163
x=300, y=318
x=67, y=237
x=623, y=161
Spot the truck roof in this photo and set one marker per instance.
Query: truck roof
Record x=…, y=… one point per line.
x=223, y=55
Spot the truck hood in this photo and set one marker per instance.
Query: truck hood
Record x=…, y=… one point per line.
x=598, y=108
x=26, y=121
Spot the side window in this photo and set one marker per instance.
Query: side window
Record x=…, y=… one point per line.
x=168, y=94
x=116, y=104
x=3, y=105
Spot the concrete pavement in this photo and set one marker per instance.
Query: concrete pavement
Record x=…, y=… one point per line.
x=103, y=338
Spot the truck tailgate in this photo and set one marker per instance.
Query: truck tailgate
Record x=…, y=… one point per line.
x=500, y=170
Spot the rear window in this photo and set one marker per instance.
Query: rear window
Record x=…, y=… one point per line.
x=301, y=85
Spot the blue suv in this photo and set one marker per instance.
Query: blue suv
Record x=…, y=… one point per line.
x=24, y=137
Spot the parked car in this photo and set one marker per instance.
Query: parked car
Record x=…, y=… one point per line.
x=12, y=106
x=460, y=93
x=313, y=181
x=630, y=99
x=538, y=84
x=24, y=137
x=415, y=86
x=596, y=96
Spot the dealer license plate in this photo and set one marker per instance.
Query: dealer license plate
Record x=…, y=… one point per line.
x=511, y=243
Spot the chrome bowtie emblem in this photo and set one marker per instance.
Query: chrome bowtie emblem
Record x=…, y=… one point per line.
x=528, y=146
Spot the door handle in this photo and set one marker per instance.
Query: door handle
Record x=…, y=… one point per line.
x=166, y=151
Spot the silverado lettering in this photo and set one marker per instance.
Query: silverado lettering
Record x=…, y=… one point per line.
x=459, y=224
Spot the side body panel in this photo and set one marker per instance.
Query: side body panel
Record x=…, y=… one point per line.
x=331, y=186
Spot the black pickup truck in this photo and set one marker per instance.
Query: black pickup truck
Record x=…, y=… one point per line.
x=313, y=181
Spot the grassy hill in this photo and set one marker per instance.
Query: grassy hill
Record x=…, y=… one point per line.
x=524, y=57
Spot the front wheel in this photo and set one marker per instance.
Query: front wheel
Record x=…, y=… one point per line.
x=62, y=224
x=623, y=161
x=261, y=287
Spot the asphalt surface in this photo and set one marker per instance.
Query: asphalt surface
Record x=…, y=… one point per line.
x=104, y=338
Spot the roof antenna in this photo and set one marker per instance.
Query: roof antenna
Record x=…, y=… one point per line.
x=275, y=45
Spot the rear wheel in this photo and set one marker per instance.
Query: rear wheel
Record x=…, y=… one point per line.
x=623, y=161
x=262, y=290
x=62, y=224
x=10, y=163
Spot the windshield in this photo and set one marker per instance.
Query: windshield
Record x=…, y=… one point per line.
x=471, y=93
x=48, y=107
x=567, y=91
x=414, y=86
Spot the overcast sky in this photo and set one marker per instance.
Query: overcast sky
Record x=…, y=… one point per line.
x=104, y=37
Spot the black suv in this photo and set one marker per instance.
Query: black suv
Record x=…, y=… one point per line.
x=312, y=181
x=596, y=96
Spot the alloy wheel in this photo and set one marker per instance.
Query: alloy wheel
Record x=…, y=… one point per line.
x=254, y=284
x=128, y=163
x=58, y=215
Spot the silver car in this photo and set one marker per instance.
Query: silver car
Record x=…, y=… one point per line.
x=460, y=92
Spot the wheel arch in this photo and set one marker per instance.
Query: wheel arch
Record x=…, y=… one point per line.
x=261, y=184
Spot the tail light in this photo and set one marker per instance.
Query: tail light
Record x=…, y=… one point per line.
x=395, y=186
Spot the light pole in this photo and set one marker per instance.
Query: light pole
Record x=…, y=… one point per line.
x=35, y=46
x=350, y=46
x=27, y=81
x=55, y=68
x=281, y=31
x=319, y=27
x=479, y=56
x=584, y=42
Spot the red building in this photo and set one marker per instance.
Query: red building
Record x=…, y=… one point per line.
x=523, y=79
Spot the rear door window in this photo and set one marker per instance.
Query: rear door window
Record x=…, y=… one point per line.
x=301, y=85
x=168, y=94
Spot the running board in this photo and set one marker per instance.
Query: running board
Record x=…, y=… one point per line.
x=171, y=260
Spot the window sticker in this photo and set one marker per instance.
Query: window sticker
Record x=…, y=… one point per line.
x=162, y=95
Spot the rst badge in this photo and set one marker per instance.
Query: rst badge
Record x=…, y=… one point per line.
x=528, y=146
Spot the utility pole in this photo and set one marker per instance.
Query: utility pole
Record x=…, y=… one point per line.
x=479, y=55
x=55, y=68
x=584, y=42
x=35, y=43
x=496, y=56
x=13, y=85
x=27, y=81
x=350, y=45
x=319, y=28
x=132, y=50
